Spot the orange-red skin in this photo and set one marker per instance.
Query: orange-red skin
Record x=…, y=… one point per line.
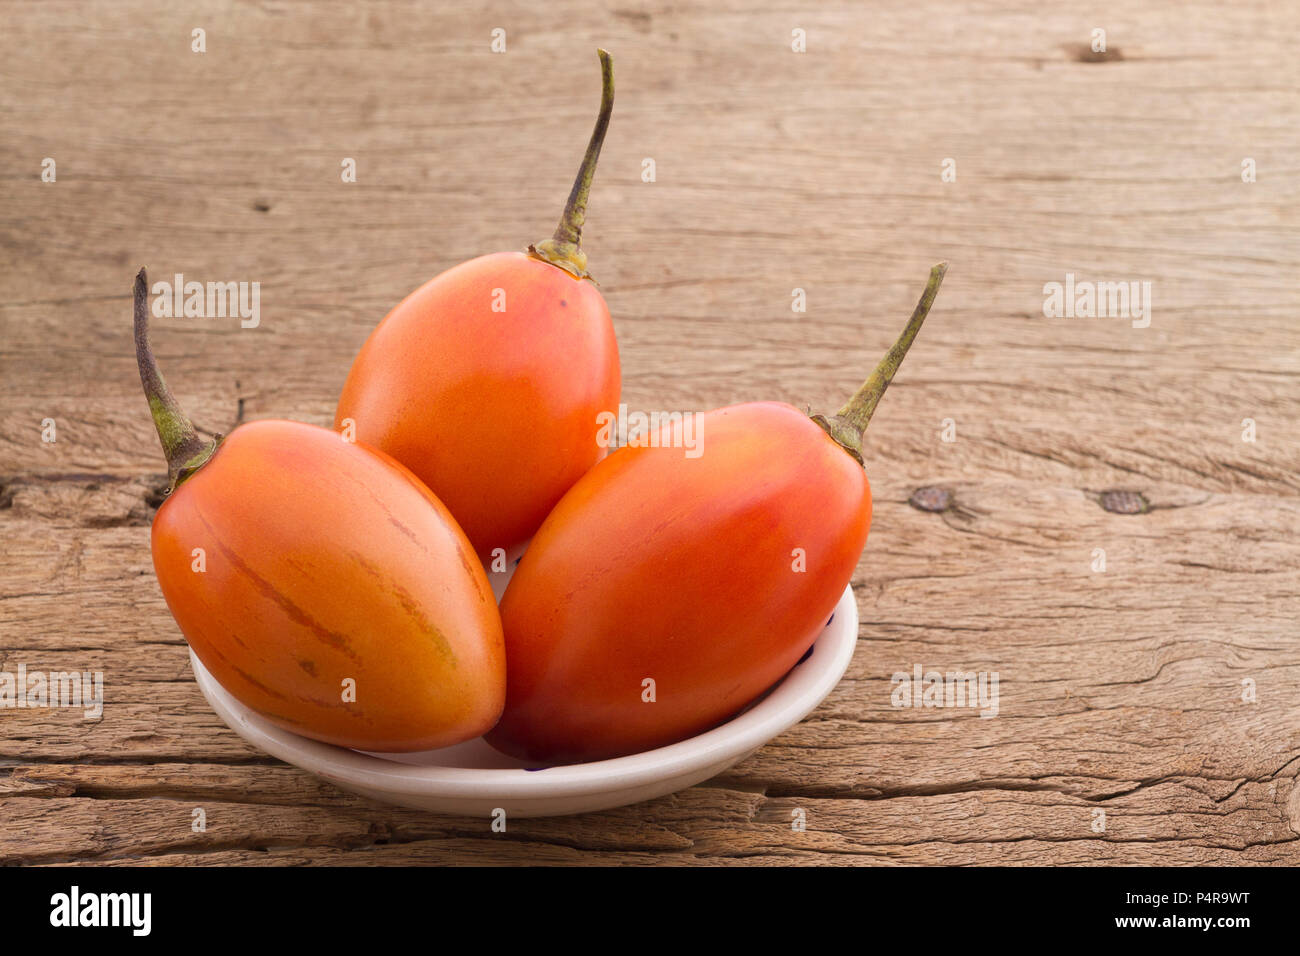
x=496, y=411
x=326, y=560
x=656, y=565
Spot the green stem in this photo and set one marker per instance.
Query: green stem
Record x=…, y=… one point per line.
x=186, y=452
x=562, y=249
x=848, y=424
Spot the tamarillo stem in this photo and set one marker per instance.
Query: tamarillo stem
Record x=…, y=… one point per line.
x=186, y=452
x=848, y=424
x=562, y=249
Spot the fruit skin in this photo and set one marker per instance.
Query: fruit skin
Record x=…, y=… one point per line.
x=656, y=565
x=495, y=411
x=326, y=560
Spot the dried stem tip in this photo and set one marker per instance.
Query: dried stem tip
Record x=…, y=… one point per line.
x=186, y=452
x=847, y=425
x=562, y=249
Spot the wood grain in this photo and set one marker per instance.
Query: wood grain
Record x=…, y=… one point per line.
x=1121, y=692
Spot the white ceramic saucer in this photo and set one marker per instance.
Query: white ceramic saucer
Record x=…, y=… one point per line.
x=475, y=780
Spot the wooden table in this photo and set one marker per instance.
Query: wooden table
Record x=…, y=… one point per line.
x=1126, y=730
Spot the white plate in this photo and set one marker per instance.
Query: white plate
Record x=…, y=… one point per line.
x=475, y=780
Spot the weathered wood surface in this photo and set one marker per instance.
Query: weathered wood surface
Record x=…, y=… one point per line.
x=1121, y=691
